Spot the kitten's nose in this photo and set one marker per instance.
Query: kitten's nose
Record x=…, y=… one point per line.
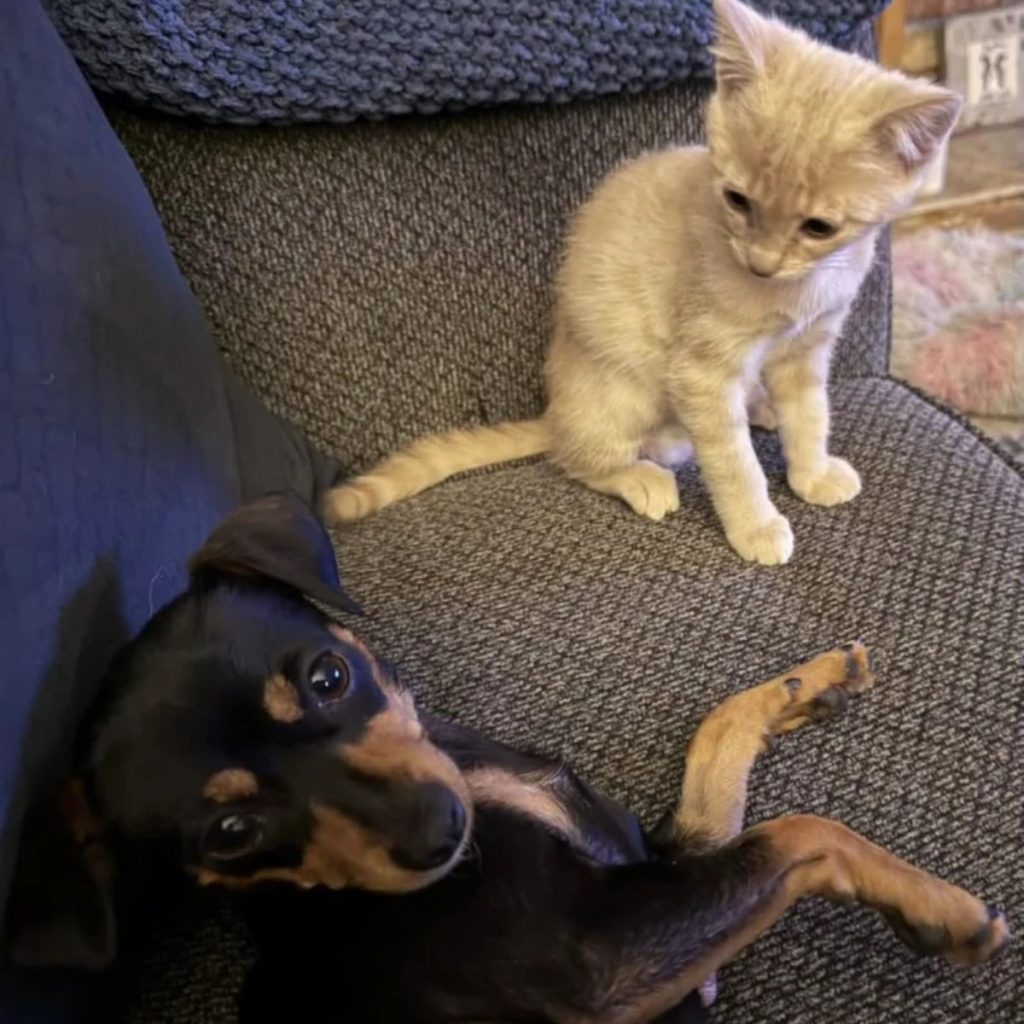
x=762, y=263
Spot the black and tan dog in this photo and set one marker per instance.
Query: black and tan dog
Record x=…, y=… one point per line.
x=414, y=871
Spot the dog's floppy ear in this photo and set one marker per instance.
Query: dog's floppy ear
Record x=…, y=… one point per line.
x=279, y=538
x=62, y=899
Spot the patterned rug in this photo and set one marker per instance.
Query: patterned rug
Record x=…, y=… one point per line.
x=958, y=318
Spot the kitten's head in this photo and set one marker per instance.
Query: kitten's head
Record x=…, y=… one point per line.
x=811, y=147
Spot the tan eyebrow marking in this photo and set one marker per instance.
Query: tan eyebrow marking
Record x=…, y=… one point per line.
x=281, y=700
x=230, y=784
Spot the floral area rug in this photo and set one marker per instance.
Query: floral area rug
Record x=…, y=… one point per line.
x=958, y=320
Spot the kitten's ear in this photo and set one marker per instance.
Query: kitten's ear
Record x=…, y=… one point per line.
x=741, y=44
x=915, y=120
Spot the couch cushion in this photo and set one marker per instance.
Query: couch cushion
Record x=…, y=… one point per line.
x=555, y=618
x=382, y=281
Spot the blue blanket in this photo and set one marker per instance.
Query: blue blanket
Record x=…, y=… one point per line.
x=281, y=61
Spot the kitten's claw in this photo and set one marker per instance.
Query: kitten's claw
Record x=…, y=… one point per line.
x=838, y=483
x=769, y=543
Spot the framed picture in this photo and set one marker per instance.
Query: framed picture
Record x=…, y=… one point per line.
x=984, y=64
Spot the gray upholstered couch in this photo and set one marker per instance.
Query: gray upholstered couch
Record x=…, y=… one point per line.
x=380, y=280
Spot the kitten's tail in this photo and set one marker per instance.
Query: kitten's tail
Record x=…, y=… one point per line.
x=430, y=460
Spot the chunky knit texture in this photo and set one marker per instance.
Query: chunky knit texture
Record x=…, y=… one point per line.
x=283, y=61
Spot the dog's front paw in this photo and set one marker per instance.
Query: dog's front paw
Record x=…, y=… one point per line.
x=952, y=924
x=838, y=482
x=767, y=543
x=819, y=689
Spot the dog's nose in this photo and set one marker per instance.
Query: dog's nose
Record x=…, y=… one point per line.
x=437, y=838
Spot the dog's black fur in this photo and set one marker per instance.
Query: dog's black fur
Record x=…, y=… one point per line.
x=502, y=937
x=450, y=878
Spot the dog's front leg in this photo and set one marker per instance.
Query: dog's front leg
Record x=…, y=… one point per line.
x=729, y=740
x=655, y=931
x=651, y=933
x=722, y=752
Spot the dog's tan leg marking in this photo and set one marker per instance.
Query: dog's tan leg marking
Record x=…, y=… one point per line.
x=808, y=855
x=722, y=752
x=815, y=856
x=724, y=748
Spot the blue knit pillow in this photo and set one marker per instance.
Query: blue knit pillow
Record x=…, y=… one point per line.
x=281, y=61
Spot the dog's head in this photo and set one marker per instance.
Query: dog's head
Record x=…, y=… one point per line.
x=265, y=741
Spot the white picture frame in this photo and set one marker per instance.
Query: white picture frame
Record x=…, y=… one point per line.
x=984, y=63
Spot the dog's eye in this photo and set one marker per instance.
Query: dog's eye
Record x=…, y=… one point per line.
x=328, y=677
x=815, y=227
x=737, y=200
x=233, y=835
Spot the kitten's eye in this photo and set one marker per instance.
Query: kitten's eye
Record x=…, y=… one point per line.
x=328, y=678
x=815, y=227
x=737, y=200
x=233, y=835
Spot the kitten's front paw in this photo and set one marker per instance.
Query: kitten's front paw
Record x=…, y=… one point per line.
x=769, y=543
x=838, y=483
x=649, y=490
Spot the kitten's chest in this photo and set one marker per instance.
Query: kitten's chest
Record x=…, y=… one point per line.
x=790, y=313
x=780, y=326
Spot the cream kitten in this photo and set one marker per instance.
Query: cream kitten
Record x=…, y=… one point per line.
x=694, y=274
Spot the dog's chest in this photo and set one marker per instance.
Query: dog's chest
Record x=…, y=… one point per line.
x=555, y=799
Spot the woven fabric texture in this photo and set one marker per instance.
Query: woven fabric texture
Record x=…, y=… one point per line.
x=555, y=618
x=271, y=61
x=387, y=280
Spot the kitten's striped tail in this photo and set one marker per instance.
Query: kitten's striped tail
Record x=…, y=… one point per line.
x=430, y=460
